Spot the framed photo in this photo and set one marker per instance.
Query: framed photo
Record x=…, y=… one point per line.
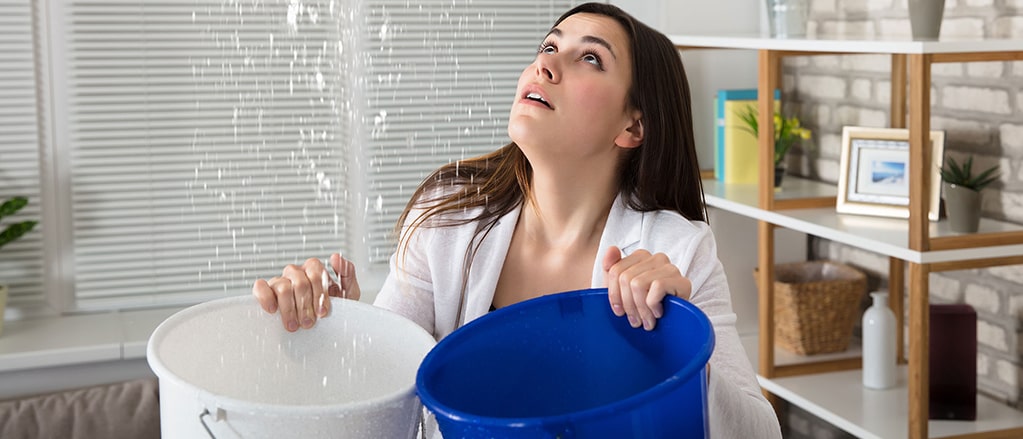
x=874, y=173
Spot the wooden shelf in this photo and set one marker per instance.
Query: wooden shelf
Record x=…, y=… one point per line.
x=916, y=247
x=840, y=399
x=886, y=236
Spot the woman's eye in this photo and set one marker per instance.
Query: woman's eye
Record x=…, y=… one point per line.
x=592, y=59
x=548, y=49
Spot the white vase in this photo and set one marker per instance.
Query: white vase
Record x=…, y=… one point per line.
x=879, y=362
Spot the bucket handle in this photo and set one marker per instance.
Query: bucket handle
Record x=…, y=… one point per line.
x=202, y=419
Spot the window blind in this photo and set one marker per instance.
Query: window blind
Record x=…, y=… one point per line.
x=21, y=262
x=206, y=145
x=212, y=142
x=440, y=86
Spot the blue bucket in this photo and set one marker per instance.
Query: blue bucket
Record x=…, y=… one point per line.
x=564, y=366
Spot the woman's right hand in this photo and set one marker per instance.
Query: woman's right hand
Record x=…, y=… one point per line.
x=301, y=292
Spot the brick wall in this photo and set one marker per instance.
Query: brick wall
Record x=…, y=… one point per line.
x=980, y=107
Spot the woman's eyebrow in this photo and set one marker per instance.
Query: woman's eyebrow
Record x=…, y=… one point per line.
x=587, y=39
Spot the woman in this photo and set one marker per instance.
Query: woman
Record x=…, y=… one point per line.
x=599, y=187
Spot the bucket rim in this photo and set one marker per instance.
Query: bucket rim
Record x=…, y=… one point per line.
x=228, y=403
x=679, y=378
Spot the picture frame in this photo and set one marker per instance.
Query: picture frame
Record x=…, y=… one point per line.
x=874, y=172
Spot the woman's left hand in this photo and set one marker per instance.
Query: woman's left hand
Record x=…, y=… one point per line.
x=638, y=283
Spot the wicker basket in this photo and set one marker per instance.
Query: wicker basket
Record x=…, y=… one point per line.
x=815, y=305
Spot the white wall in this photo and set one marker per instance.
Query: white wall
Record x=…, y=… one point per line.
x=707, y=70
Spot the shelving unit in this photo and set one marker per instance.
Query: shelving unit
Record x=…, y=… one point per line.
x=830, y=387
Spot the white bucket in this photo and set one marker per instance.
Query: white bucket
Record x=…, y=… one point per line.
x=228, y=369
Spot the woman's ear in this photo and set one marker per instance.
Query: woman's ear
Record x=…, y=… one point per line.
x=633, y=135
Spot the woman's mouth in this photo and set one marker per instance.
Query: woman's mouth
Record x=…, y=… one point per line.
x=534, y=96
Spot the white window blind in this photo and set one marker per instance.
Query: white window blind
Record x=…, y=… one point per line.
x=441, y=82
x=211, y=142
x=206, y=145
x=21, y=262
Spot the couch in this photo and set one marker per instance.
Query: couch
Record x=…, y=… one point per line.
x=129, y=410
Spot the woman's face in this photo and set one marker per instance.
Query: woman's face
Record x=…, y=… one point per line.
x=572, y=101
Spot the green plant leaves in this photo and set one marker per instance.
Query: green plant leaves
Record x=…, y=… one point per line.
x=16, y=230
x=962, y=175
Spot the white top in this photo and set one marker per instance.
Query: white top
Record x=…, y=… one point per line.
x=426, y=286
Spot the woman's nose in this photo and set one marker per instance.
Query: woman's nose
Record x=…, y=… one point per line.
x=545, y=67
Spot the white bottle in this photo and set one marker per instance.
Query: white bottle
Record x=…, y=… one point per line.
x=879, y=362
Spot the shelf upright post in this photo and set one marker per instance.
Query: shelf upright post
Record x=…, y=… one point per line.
x=767, y=80
x=896, y=267
x=919, y=184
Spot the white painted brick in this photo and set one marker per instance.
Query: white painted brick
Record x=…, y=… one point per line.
x=1011, y=273
x=1007, y=27
x=993, y=336
x=865, y=260
x=946, y=288
x=979, y=3
x=894, y=27
x=951, y=4
x=947, y=69
x=1016, y=303
x=826, y=61
x=854, y=5
x=1017, y=66
x=848, y=115
x=884, y=92
x=1019, y=101
x=859, y=28
x=867, y=63
x=822, y=87
x=822, y=115
x=1016, y=4
x=830, y=146
x=1008, y=372
x=983, y=364
x=962, y=28
x=1011, y=136
x=879, y=5
x=861, y=89
x=798, y=61
x=983, y=298
x=822, y=6
x=962, y=130
x=827, y=170
x=987, y=100
x=985, y=69
x=1012, y=206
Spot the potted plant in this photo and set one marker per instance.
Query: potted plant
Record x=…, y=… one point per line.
x=962, y=193
x=8, y=235
x=787, y=131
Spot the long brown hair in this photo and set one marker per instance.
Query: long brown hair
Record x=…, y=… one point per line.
x=661, y=174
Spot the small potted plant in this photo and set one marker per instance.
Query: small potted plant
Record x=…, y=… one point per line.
x=8, y=235
x=787, y=131
x=962, y=193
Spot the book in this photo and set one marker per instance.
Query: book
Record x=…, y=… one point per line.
x=735, y=147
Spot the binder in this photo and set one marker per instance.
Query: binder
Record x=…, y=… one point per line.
x=735, y=149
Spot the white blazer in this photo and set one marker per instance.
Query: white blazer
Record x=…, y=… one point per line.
x=425, y=285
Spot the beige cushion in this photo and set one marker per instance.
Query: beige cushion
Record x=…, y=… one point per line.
x=129, y=409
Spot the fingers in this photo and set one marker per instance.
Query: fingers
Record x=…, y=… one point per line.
x=265, y=296
x=282, y=288
x=301, y=293
x=345, y=270
x=638, y=284
x=611, y=257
